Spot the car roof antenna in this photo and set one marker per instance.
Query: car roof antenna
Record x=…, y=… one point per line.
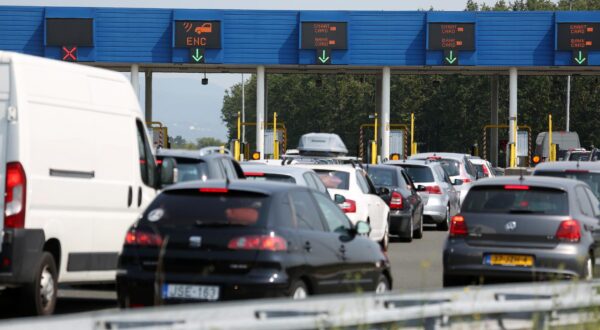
x=521, y=178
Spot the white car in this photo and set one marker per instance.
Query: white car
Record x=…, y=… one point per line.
x=483, y=167
x=362, y=202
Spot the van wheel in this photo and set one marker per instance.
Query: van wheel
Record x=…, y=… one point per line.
x=298, y=290
x=39, y=297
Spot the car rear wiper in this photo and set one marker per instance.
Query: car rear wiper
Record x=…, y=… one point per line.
x=525, y=211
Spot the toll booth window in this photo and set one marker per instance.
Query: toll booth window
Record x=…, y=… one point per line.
x=147, y=165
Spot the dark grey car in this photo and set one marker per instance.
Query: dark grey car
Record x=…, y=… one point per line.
x=523, y=228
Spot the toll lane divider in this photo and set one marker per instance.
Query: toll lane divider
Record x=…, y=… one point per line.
x=512, y=306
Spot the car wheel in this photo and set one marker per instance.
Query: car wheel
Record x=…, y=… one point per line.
x=418, y=233
x=385, y=240
x=444, y=225
x=589, y=269
x=383, y=284
x=407, y=236
x=452, y=281
x=39, y=296
x=298, y=290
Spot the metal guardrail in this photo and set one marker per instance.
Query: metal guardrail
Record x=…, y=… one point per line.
x=509, y=306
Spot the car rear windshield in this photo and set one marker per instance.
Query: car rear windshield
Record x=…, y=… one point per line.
x=451, y=166
x=419, y=173
x=383, y=176
x=482, y=169
x=195, y=208
x=191, y=170
x=517, y=199
x=592, y=179
x=334, y=179
x=271, y=177
x=583, y=155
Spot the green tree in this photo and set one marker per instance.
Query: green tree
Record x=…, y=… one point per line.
x=208, y=142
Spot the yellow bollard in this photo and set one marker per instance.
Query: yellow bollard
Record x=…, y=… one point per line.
x=373, y=152
x=275, y=137
x=413, y=149
x=551, y=146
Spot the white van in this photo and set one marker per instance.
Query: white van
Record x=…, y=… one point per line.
x=76, y=170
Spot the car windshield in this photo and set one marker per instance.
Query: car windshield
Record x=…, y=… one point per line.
x=383, y=176
x=191, y=207
x=190, y=171
x=270, y=177
x=516, y=199
x=419, y=174
x=592, y=179
x=334, y=179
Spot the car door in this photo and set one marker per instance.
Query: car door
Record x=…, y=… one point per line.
x=4, y=98
x=322, y=251
x=374, y=202
x=359, y=271
x=413, y=198
x=594, y=224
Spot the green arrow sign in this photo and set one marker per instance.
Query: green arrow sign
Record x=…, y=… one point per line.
x=196, y=55
x=323, y=56
x=580, y=59
x=450, y=57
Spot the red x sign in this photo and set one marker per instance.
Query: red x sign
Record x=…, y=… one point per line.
x=69, y=53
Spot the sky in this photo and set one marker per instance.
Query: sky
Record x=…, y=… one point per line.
x=175, y=99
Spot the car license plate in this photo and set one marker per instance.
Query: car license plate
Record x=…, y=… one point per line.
x=191, y=292
x=508, y=260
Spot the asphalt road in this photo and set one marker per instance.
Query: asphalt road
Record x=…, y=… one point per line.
x=416, y=266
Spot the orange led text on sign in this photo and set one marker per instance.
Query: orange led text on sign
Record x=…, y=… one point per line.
x=577, y=28
x=449, y=42
x=578, y=43
x=449, y=28
x=195, y=41
x=321, y=27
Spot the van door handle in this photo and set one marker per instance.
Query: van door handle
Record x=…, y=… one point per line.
x=130, y=196
x=139, y=196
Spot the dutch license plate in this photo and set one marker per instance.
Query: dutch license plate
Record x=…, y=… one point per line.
x=508, y=260
x=191, y=292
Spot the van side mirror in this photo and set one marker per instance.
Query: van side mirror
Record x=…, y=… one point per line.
x=339, y=199
x=167, y=172
x=457, y=182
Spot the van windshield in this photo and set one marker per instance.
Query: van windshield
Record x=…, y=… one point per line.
x=516, y=199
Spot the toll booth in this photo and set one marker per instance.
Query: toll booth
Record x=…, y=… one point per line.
x=159, y=135
x=269, y=142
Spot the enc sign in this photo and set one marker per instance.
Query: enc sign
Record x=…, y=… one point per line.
x=456, y=36
x=198, y=34
x=324, y=35
x=578, y=36
x=70, y=31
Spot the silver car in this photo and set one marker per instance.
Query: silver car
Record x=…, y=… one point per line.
x=435, y=187
x=300, y=176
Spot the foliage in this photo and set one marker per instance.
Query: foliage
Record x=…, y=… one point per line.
x=179, y=142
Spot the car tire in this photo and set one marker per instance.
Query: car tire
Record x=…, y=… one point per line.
x=385, y=240
x=383, y=284
x=407, y=236
x=39, y=297
x=454, y=281
x=418, y=233
x=445, y=224
x=298, y=290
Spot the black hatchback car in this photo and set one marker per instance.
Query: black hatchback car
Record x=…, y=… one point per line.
x=197, y=165
x=208, y=241
x=523, y=228
x=397, y=189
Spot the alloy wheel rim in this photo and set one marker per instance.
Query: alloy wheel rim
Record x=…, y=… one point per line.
x=589, y=269
x=299, y=293
x=381, y=287
x=448, y=214
x=47, y=287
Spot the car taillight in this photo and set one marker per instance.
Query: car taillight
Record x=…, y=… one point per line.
x=254, y=174
x=433, y=190
x=396, y=202
x=213, y=190
x=14, y=198
x=515, y=187
x=258, y=242
x=569, y=231
x=458, y=226
x=485, y=171
x=142, y=238
x=466, y=180
x=349, y=206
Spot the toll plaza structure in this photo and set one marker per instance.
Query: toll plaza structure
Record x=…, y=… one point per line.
x=287, y=41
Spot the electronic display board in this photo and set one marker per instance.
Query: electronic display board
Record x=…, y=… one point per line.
x=575, y=36
x=456, y=36
x=198, y=34
x=324, y=35
x=70, y=31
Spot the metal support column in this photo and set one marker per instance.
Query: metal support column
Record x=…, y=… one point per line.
x=148, y=95
x=260, y=111
x=568, y=128
x=135, y=79
x=512, y=116
x=385, y=113
x=494, y=121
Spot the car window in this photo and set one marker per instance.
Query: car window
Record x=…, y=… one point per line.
x=409, y=183
x=320, y=186
x=229, y=169
x=283, y=213
x=189, y=171
x=584, y=203
x=334, y=217
x=305, y=211
x=310, y=182
x=591, y=178
x=362, y=183
x=516, y=199
x=334, y=179
x=594, y=201
x=451, y=166
x=383, y=176
x=419, y=173
x=270, y=177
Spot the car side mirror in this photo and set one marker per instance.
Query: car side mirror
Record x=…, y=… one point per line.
x=362, y=228
x=167, y=171
x=421, y=188
x=383, y=191
x=457, y=182
x=339, y=199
